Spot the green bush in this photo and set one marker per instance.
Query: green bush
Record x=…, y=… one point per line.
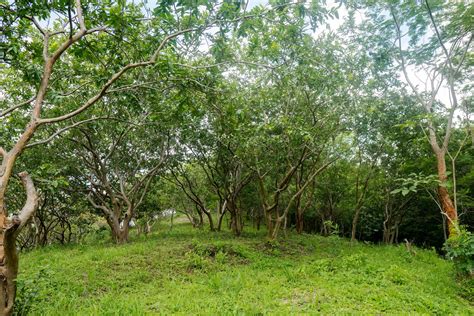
x=460, y=249
x=32, y=291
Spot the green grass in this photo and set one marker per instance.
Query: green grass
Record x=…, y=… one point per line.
x=194, y=272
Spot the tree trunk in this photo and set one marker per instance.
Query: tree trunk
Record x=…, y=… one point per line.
x=210, y=219
x=269, y=221
x=444, y=198
x=201, y=219
x=355, y=220
x=259, y=218
x=299, y=221
x=9, y=229
x=276, y=228
x=236, y=223
x=120, y=237
x=119, y=234
x=8, y=265
x=219, y=221
x=299, y=208
x=221, y=210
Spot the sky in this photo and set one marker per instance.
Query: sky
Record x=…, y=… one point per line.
x=417, y=76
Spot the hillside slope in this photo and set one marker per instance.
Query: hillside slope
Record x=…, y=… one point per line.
x=188, y=271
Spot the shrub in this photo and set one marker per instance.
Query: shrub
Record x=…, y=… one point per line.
x=32, y=291
x=332, y=228
x=194, y=261
x=460, y=249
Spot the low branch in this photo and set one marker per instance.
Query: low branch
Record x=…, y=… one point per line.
x=31, y=203
x=100, y=207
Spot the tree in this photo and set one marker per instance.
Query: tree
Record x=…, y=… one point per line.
x=30, y=41
x=443, y=61
x=119, y=167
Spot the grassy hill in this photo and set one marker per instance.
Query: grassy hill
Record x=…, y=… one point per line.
x=190, y=271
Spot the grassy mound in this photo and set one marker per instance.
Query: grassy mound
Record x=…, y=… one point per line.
x=188, y=271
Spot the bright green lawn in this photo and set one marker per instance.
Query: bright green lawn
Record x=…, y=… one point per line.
x=188, y=271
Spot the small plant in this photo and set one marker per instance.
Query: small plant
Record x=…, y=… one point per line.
x=272, y=247
x=221, y=257
x=195, y=262
x=213, y=249
x=331, y=227
x=32, y=291
x=460, y=249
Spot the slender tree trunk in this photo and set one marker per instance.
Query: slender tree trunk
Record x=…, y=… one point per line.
x=211, y=220
x=172, y=221
x=219, y=222
x=235, y=218
x=276, y=229
x=201, y=219
x=269, y=221
x=444, y=198
x=221, y=210
x=259, y=218
x=387, y=223
x=355, y=221
x=299, y=221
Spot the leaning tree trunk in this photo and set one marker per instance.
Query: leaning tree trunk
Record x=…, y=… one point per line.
x=210, y=220
x=222, y=209
x=276, y=228
x=447, y=204
x=219, y=221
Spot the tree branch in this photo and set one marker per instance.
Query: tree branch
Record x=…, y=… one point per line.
x=16, y=106
x=31, y=203
x=62, y=130
x=80, y=17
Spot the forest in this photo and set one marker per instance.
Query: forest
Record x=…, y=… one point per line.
x=236, y=157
